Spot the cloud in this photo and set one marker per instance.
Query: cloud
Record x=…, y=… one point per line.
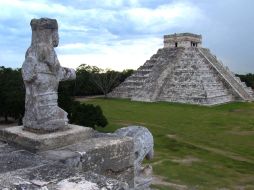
x=29, y=7
x=122, y=55
x=100, y=33
x=132, y=19
x=91, y=30
x=164, y=17
x=104, y=4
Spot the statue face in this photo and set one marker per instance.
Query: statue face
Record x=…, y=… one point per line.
x=55, y=38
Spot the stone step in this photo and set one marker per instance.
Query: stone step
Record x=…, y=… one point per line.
x=138, y=77
x=200, y=100
x=234, y=82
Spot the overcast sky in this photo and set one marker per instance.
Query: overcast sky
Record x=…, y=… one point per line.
x=121, y=34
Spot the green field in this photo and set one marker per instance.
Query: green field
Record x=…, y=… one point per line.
x=196, y=147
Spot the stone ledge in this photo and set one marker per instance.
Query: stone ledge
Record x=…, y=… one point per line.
x=42, y=142
x=55, y=177
x=110, y=156
x=21, y=169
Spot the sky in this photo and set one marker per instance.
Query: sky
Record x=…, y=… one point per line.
x=123, y=34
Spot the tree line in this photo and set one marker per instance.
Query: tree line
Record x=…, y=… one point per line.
x=90, y=80
x=248, y=79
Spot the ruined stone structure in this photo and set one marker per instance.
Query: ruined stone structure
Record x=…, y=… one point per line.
x=183, y=71
x=47, y=153
x=143, y=149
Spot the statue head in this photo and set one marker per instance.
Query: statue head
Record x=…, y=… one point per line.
x=45, y=30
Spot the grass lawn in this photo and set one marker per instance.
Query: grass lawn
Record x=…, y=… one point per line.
x=196, y=147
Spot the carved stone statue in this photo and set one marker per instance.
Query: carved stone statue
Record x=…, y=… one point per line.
x=143, y=148
x=41, y=73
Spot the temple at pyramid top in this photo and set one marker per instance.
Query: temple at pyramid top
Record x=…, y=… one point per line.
x=183, y=71
x=182, y=40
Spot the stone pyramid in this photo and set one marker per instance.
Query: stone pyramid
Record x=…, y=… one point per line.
x=183, y=71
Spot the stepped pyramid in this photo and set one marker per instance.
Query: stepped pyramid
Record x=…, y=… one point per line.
x=183, y=71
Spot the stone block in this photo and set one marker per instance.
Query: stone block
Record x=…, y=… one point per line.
x=109, y=156
x=55, y=177
x=13, y=158
x=20, y=169
x=35, y=142
x=11, y=161
x=5, y=148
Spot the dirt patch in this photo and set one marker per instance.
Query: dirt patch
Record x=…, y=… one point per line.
x=225, y=153
x=237, y=110
x=171, y=136
x=187, y=160
x=242, y=133
x=158, y=180
x=160, y=161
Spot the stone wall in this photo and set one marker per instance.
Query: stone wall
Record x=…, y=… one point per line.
x=182, y=40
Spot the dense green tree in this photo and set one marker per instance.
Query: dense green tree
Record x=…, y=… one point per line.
x=12, y=93
x=83, y=84
x=92, y=80
x=87, y=115
x=106, y=80
x=124, y=74
x=248, y=79
x=66, y=96
x=80, y=114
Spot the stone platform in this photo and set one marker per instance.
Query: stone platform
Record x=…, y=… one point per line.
x=20, y=169
x=109, y=156
x=41, y=142
x=58, y=161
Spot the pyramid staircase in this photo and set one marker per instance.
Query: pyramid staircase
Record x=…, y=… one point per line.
x=239, y=87
x=135, y=82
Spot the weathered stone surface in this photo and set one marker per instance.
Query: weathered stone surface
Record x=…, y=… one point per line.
x=143, y=148
x=40, y=142
x=19, y=159
x=116, y=157
x=187, y=73
x=20, y=169
x=41, y=73
x=57, y=177
x=182, y=40
x=109, y=156
x=92, y=181
x=5, y=148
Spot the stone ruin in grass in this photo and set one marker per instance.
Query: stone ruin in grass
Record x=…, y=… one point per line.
x=183, y=71
x=48, y=153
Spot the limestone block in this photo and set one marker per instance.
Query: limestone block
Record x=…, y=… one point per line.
x=5, y=148
x=20, y=169
x=40, y=142
x=143, y=149
x=109, y=156
x=19, y=159
x=57, y=177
